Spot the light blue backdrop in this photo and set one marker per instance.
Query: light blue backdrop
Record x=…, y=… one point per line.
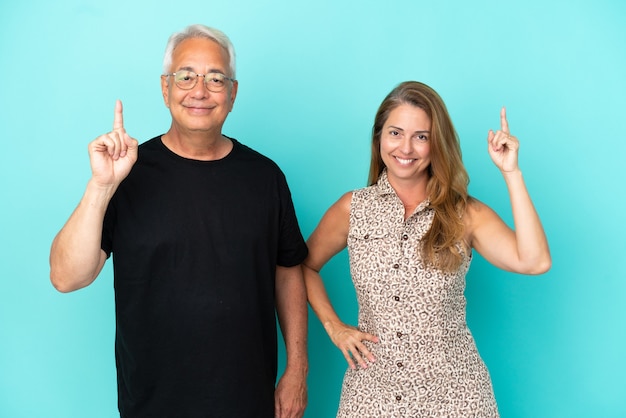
x=311, y=77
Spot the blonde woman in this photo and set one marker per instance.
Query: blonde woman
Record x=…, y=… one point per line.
x=410, y=237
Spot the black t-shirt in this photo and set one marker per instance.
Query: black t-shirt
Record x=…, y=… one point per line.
x=195, y=246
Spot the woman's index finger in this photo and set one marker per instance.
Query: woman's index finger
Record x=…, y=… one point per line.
x=504, y=124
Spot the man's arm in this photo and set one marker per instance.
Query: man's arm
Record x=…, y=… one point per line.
x=291, y=306
x=75, y=257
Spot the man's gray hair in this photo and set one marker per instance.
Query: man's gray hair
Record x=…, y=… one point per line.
x=199, y=31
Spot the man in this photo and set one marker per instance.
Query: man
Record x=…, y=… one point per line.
x=206, y=248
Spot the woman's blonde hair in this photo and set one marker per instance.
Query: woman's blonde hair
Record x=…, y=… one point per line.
x=443, y=245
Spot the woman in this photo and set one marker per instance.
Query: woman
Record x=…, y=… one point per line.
x=410, y=236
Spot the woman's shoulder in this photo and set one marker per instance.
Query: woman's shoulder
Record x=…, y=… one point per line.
x=473, y=210
x=476, y=209
x=345, y=201
x=476, y=214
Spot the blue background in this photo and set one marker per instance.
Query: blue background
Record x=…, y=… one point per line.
x=312, y=75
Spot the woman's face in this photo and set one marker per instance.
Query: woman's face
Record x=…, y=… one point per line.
x=405, y=143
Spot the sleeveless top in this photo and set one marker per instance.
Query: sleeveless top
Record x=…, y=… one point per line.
x=427, y=364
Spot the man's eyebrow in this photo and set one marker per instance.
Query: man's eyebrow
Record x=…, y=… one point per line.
x=212, y=70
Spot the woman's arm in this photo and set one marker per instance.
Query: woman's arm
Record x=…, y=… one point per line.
x=523, y=249
x=328, y=239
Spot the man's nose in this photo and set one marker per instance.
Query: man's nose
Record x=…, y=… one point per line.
x=200, y=87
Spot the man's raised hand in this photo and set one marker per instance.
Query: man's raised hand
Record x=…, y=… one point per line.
x=112, y=155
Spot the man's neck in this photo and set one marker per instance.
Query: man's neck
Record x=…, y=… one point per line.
x=197, y=145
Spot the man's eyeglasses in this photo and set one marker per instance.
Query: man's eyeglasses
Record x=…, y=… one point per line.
x=187, y=80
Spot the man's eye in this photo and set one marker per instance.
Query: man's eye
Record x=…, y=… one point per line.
x=184, y=76
x=215, y=78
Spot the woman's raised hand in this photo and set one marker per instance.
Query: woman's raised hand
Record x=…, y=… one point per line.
x=503, y=147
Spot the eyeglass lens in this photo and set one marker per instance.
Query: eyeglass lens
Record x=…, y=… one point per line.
x=187, y=80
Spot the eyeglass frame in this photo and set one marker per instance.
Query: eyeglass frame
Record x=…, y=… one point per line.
x=196, y=79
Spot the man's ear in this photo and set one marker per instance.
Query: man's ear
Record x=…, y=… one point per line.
x=233, y=94
x=165, y=90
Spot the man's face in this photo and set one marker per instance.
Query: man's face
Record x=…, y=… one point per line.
x=198, y=109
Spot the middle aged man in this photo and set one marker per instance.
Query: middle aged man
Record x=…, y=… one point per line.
x=206, y=249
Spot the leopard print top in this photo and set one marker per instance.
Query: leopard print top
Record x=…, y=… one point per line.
x=427, y=364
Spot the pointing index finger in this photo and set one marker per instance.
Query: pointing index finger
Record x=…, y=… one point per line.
x=504, y=124
x=118, y=119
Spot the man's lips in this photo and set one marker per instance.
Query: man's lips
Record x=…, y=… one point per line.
x=198, y=109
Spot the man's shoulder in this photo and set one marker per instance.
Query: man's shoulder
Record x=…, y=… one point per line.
x=150, y=149
x=151, y=144
x=243, y=151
